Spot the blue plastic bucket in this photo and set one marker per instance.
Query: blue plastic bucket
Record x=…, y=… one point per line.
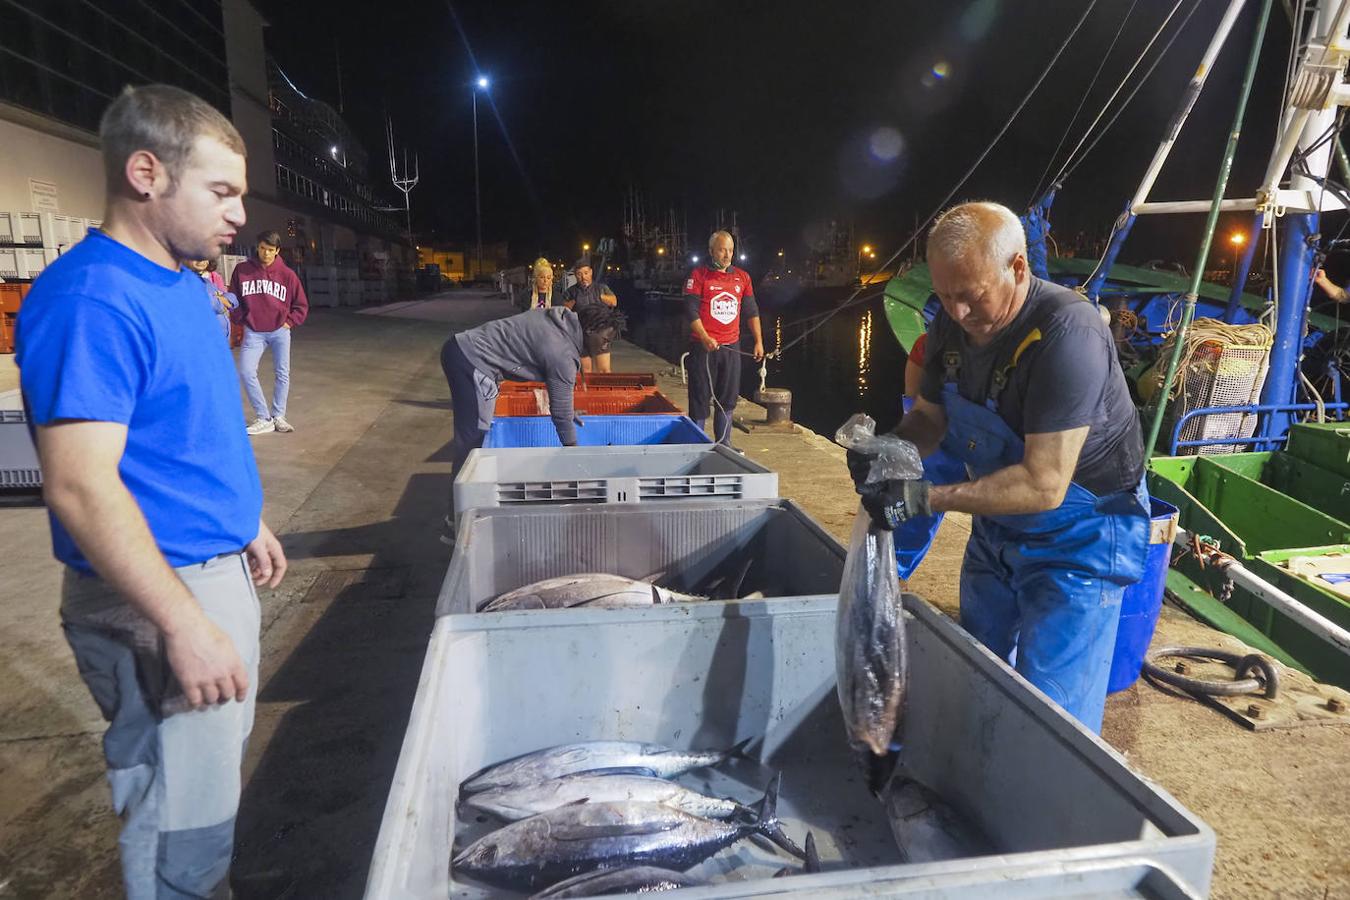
x=596, y=431
x=1142, y=601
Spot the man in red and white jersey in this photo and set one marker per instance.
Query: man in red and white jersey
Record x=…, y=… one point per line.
x=717, y=297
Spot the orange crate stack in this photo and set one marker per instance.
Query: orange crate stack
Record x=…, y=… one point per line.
x=11, y=298
x=603, y=402
x=621, y=402
x=517, y=403
x=597, y=381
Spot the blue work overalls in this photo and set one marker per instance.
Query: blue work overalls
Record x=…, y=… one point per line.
x=1044, y=588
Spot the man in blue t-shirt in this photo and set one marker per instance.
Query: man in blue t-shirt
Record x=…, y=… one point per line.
x=153, y=491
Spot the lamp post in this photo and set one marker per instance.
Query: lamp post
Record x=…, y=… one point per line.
x=864, y=250
x=1238, y=239
x=480, y=84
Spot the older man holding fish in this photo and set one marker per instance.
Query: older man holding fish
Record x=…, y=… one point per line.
x=1022, y=383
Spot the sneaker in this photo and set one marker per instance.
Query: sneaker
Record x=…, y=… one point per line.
x=282, y=425
x=262, y=426
x=448, y=532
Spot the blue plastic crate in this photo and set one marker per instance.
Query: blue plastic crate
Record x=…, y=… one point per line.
x=598, y=431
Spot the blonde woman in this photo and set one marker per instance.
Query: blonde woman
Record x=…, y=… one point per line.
x=541, y=289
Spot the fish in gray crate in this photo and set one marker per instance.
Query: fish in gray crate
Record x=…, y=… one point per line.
x=600, y=590
x=631, y=757
x=628, y=880
x=595, y=590
x=546, y=848
x=926, y=827
x=512, y=804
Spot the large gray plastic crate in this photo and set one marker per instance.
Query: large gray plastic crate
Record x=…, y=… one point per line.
x=685, y=544
x=19, y=469
x=1050, y=794
x=505, y=476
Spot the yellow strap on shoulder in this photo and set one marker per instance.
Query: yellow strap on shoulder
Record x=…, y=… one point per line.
x=1031, y=338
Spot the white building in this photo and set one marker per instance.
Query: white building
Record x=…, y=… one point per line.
x=307, y=173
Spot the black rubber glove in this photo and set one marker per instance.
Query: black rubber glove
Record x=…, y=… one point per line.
x=859, y=465
x=890, y=503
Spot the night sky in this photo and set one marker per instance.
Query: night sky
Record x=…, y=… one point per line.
x=790, y=113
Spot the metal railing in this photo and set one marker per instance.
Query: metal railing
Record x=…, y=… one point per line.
x=1263, y=442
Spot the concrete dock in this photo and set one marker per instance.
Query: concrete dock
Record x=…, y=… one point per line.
x=356, y=494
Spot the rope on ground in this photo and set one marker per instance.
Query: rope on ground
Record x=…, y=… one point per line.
x=960, y=182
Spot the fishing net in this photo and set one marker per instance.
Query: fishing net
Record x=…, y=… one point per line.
x=1220, y=365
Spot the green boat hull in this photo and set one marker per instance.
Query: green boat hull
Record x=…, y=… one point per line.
x=1264, y=528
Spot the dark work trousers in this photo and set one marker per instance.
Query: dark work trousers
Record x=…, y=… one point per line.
x=473, y=401
x=714, y=383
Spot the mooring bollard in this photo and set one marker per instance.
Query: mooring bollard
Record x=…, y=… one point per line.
x=777, y=402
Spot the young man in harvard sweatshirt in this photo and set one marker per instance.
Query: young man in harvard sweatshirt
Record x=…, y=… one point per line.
x=271, y=302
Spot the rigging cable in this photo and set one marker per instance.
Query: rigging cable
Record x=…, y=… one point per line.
x=1124, y=81
x=1070, y=169
x=853, y=298
x=1082, y=101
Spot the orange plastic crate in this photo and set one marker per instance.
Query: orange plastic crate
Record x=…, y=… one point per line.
x=517, y=403
x=620, y=402
x=604, y=402
x=7, y=320
x=11, y=297
x=605, y=381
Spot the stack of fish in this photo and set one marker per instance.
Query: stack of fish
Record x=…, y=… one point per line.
x=599, y=590
x=603, y=816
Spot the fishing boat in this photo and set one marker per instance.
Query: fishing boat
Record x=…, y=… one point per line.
x=1250, y=437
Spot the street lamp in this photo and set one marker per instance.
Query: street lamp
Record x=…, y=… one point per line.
x=1238, y=239
x=480, y=84
x=585, y=248
x=660, y=251
x=865, y=250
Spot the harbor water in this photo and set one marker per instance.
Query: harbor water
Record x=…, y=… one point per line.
x=852, y=363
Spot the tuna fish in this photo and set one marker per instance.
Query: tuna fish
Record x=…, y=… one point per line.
x=603, y=591
x=546, y=848
x=514, y=804
x=629, y=757
x=812, y=864
x=591, y=589
x=926, y=828
x=870, y=640
x=628, y=880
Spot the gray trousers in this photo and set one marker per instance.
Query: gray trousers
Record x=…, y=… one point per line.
x=174, y=772
x=473, y=398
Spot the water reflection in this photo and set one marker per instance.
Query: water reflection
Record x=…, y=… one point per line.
x=844, y=367
x=864, y=352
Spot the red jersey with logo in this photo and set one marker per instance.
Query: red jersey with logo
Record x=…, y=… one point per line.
x=720, y=295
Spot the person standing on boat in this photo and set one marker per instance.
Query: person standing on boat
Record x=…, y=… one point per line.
x=717, y=296
x=155, y=501
x=589, y=294
x=1021, y=382
x=1333, y=290
x=536, y=345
